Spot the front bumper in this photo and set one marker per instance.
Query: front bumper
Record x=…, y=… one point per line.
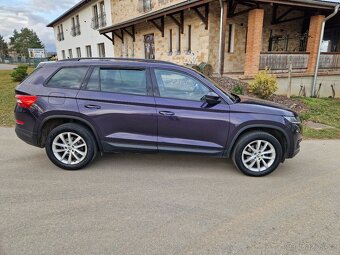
x=296, y=138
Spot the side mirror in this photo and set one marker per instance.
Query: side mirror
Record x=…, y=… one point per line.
x=211, y=98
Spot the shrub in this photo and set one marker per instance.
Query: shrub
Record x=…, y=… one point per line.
x=238, y=90
x=19, y=73
x=264, y=85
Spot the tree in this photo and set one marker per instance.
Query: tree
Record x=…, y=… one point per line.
x=24, y=39
x=3, y=47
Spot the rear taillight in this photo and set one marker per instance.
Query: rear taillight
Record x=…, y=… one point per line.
x=25, y=101
x=19, y=122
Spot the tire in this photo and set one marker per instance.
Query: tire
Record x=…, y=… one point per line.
x=257, y=153
x=58, y=148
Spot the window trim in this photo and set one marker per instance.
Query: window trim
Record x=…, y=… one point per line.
x=149, y=88
x=156, y=89
x=62, y=67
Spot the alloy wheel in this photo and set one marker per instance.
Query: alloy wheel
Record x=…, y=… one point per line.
x=69, y=148
x=258, y=155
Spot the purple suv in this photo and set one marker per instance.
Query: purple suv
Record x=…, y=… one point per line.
x=79, y=107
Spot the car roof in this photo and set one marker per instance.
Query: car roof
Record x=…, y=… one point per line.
x=129, y=62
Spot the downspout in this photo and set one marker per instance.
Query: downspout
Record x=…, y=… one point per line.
x=220, y=50
x=336, y=10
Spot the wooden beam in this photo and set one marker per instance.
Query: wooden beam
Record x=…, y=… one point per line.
x=132, y=33
x=291, y=19
x=160, y=26
x=205, y=17
x=108, y=37
x=280, y=19
x=180, y=22
x=120, y=36
x=233, y=5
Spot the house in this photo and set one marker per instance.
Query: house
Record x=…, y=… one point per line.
x=76, y=30
x=236, y=37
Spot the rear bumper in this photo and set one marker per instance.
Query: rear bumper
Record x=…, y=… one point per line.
x=27, y=136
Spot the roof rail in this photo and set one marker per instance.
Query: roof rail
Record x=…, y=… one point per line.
x=119, y=59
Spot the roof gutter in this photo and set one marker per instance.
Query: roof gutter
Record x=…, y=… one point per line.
x=221, y=48
x=336, y=10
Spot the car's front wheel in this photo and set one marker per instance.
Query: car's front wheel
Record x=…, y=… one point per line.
x=257, y=153
x=70, y=146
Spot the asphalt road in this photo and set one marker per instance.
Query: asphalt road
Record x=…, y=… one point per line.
x=7, y=67
x=168, y=204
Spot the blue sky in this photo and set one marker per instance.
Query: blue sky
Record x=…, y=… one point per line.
x=35, y=14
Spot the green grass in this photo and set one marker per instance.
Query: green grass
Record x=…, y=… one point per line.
x=325, y=111
x=7, y=99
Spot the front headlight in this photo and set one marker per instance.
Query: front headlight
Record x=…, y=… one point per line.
x=295, y=120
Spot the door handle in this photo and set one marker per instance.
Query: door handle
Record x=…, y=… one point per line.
x=92, y=106
x=167, y=113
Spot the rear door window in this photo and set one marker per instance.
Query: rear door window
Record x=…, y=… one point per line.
x=125, y=81
x=68, y=77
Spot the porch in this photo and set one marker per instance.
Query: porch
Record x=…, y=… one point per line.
x=280, y=62
x=239, y=36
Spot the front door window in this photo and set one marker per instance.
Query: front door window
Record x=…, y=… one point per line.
x=173, y=84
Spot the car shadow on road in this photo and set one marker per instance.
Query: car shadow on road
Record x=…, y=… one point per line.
x=162, y=162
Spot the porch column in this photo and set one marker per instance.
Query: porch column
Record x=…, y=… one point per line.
x=254, y=42
x=314, y=41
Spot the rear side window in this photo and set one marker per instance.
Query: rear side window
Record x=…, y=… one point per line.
x=68, y=77
x=124, y=81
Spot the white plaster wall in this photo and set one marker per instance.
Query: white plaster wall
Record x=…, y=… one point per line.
x=88, y=35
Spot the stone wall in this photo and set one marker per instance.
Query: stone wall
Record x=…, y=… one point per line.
x=199, y=41
x=205, y=43
x=123, y=10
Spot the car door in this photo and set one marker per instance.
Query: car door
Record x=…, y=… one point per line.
x=186, y=123
x=119, y=103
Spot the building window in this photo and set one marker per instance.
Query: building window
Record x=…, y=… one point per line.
x=70, y=55
x=63, y=54
x=95, y=19
x=77, y=25
x=60, y=34
x=149, y=46
x=102, y=15
x=170, y=41
x=78, y=52
x=88, y=51
x=75, y=29
x=101, y=50
x=231, y=38
x=189, y=39
x=144, y=5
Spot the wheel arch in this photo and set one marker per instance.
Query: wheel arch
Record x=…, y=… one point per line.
x=278, y=132
x=52, y=122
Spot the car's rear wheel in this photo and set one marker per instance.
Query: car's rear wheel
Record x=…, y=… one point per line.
x=71, y=146
x=257, y=153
